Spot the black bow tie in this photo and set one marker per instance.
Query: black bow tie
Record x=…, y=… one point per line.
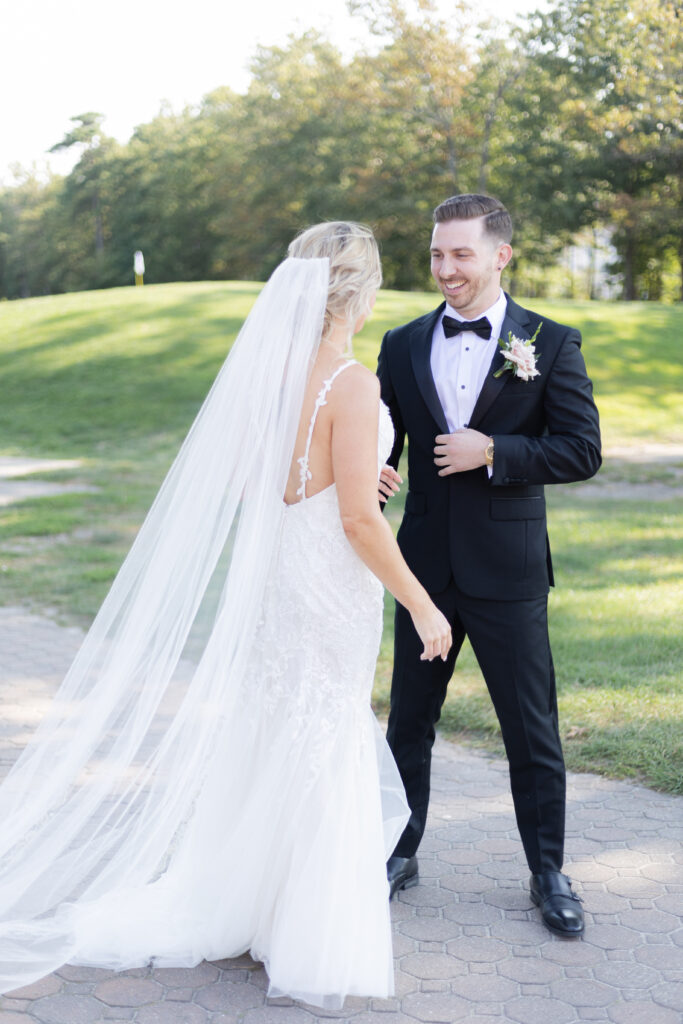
x=481, y=327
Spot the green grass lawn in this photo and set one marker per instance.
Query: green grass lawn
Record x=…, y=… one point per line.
x=114, y=378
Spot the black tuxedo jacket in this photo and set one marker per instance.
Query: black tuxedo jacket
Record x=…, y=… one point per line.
x=490, y=534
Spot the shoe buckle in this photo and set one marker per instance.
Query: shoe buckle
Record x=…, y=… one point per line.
x=573, y=895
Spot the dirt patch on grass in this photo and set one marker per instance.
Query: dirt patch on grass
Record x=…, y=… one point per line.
x=15, y=487
x=646, y=472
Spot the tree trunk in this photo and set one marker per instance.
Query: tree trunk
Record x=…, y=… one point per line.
x=485, y=149
x=514, y=275
x=453, y=162
x=484, y=162
x=629, y=257
x=592, y=283
x=99, y=230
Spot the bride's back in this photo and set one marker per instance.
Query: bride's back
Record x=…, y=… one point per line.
x=319, y=463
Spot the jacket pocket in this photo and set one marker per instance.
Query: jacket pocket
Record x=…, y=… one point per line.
x=416, y=504
x=532, y=507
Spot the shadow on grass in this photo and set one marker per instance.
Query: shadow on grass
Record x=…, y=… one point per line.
x=118, y=377
x=649, y=750
x=112, y=398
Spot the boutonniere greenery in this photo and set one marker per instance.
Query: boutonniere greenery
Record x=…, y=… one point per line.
x=520, y=356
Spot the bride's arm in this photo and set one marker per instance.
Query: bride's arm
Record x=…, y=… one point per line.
x=354, y=405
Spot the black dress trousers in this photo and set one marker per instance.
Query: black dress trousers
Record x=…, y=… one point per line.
x=510, y=641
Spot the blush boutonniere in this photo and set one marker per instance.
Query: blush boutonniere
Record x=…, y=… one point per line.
x=520, y=356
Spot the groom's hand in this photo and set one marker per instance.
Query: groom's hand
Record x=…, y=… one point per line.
x=389, y=480
x=463, y=449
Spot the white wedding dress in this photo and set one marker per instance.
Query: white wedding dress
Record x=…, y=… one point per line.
x=285, y=852
x=209, y=777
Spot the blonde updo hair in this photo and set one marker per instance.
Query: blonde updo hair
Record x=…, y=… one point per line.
x=355, y=269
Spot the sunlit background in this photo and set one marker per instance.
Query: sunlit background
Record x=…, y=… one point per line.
x=126, y=59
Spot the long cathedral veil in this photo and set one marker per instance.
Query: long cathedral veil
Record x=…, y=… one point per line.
x=100, y=797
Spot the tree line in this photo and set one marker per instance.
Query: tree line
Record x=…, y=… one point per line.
x=573, y=118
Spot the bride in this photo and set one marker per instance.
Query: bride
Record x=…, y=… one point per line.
x=209, y=778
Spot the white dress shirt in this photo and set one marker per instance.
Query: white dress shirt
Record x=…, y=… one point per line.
x=459, y=364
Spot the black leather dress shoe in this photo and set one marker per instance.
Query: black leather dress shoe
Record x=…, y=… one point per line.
x=402, y=873
x=560, y=907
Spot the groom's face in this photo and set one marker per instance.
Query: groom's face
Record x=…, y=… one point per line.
x=466, y=265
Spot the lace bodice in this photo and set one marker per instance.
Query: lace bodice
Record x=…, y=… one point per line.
x=336, y=624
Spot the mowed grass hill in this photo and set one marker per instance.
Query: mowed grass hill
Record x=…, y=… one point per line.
x=114, y=378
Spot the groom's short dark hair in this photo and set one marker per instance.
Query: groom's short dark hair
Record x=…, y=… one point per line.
x=497, y=222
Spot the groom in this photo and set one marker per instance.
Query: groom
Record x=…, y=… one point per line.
x=485, y=434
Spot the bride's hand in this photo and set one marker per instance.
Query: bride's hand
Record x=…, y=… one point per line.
x=389, y=480
x=434, y=631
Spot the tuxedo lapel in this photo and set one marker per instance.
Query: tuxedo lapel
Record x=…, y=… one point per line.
x=420, y=357
x=516, y=320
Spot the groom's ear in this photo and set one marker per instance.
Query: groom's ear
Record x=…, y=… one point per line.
x=504, y=255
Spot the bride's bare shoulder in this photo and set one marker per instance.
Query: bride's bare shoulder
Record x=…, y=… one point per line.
x=357, y=387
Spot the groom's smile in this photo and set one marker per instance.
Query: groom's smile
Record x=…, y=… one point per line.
x=453, y=286
x=466, y=264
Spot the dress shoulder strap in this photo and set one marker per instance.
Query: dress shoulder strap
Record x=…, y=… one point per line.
x=304, y=471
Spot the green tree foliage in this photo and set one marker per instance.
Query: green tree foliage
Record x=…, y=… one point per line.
x=30, y=210
x=87, y=196
x=572, y=118
x=613, y=71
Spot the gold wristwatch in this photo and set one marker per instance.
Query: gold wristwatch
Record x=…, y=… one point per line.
x=488, y=453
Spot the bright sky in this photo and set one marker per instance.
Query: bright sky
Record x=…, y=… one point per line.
x=63, y=57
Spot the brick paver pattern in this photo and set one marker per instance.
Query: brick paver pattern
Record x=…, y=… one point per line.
x=468, y=944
